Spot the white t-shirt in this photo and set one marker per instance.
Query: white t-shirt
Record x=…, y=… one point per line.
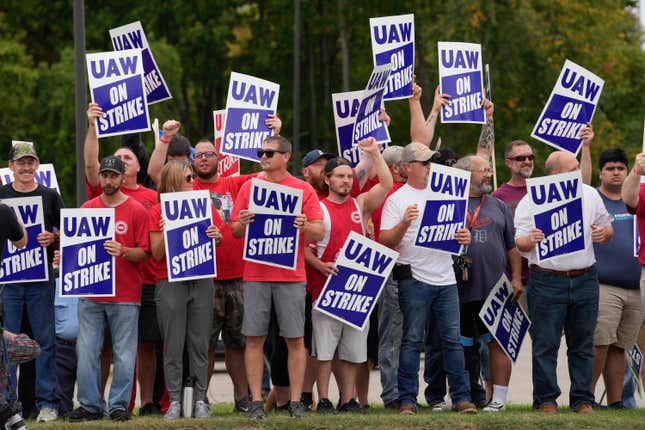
x=593, y=212
x=429, y=266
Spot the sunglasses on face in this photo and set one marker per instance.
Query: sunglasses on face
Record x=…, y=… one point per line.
x=522, y=158
x=189, y=178
x=269, y=152
x=424, y=163
x=205, y=155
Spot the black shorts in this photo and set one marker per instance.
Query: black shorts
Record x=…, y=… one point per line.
x=148, y=323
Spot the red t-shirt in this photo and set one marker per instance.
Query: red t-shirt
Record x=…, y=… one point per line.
x=130, y=218
x=154, y=218
x=147, y=198
x=378, y=213
x=339, y=219
x=310, y=207
x=230, y=264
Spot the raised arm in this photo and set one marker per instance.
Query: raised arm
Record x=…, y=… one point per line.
x=631, y=186
x=158, y=156
x=486, y=144
x=372, y=199
x=587, y=135
x=91, y=145
x=422, y=130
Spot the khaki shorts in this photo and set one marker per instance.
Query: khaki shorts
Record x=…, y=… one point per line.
x=288, y=300
x=330, y=335
x=619, y=317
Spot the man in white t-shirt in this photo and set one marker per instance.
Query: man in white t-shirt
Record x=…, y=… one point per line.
x=563, y=294
x=427, y=286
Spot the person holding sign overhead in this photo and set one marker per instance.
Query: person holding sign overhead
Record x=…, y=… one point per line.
x=185, y=308
x=266, y=285
x=38, y=297
x=563, y=294
x=341, y=214
x=121, y=311
x=427, y=285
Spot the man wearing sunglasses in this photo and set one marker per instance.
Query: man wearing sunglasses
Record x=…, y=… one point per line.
x=264, y=285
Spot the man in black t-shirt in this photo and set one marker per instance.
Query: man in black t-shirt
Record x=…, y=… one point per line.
x=37, y=296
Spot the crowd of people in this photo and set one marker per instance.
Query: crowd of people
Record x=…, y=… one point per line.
x=167, y=331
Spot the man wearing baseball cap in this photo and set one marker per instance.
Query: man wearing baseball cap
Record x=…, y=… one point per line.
x=38, y=297
x=121, y=311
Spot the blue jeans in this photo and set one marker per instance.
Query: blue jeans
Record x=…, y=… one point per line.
x=39, y=299
x=419, y=301
x=390, y=330
x=556, y=302
x=433, y=373
x=122, y=320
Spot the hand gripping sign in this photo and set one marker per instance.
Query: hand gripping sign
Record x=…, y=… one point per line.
x=87, y=270
x=345, y=107
x=116, y=85
x=228, y=165
x=132, y=36
x=363, y=268
x=460, y=76
x=367, y=123
x=445, y=209
x=393, y=42
x=556, y=204
x=190, y=254
x=570, y=107
x=271, y=238
x=506, y=321
x=28, y=264
x=249, y=101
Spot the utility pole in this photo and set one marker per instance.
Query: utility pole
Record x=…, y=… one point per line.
x=80, y=88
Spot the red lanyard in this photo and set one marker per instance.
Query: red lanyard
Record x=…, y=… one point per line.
x=472, y=220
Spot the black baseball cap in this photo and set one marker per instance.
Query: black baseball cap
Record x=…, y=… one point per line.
x=335, y=162
x=112, y=163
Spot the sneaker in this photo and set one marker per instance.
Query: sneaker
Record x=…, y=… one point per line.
x=256, y=410
x=584, y=408
x=46, y=415
x=494, y=406
x=408, y=409
x=308, y=400
x=548, y=408
x=352, y=406
x=242, y=405
x=438, y=406
x=119, y=415
x=465, y=407
x=81, y=414
x=616, y=405
x=297, y=409
x=149, y=409
x=598, y=406
x=201, y=409
x=325, y=406
x=174, y=411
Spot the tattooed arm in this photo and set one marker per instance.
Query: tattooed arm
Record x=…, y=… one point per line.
x=487, y=137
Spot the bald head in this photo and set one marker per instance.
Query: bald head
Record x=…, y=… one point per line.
x=561, y=162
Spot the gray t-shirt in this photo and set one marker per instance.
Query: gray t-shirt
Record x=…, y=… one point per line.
x=493, y=234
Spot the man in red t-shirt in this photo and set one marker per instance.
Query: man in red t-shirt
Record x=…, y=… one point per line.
x=129, y=249
x=341, y=215
x=266, y=285
x=229, y=293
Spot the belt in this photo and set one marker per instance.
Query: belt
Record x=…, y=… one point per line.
x=65, y=341
x=569, y=273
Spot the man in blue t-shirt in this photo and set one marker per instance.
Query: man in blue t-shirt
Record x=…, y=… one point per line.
x=619, y=313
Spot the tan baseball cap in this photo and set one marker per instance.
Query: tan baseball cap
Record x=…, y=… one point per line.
x=416, y=151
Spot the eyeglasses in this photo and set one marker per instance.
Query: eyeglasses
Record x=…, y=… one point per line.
x=206, y=155
x=424, y=163
x=486, y=170
x=522, y=158
x=189, y=178
x=269, y=152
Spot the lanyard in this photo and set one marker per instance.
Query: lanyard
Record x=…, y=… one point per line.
x=471, y=220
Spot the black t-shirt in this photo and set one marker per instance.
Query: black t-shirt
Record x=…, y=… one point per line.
x=52, y=202
x=10, y=228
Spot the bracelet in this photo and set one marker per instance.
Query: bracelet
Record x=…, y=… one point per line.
x=125, y=249
x=165, y=141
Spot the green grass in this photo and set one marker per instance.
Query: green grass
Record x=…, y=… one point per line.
x=516, y=417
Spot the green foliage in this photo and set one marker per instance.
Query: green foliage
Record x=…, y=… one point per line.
x=198, y=43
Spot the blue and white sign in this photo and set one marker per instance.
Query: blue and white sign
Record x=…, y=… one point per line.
x=132, y=36
x=363, y=267
x=28, y=264
x=445, y=209
x=190, y=254
x=393, y=42
x=250, y=100
x=271, y=238
x=345, y=107
x=636, y=357
x=570, y=107
x=506, y=321
x=116, y=85
x=86, y=268
x=460, y=76
x=367, y=123
x=556, y=204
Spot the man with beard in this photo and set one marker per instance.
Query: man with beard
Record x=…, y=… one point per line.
x=121, y=311
x=38, y=297
x=492, y=245
x=228, y=291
